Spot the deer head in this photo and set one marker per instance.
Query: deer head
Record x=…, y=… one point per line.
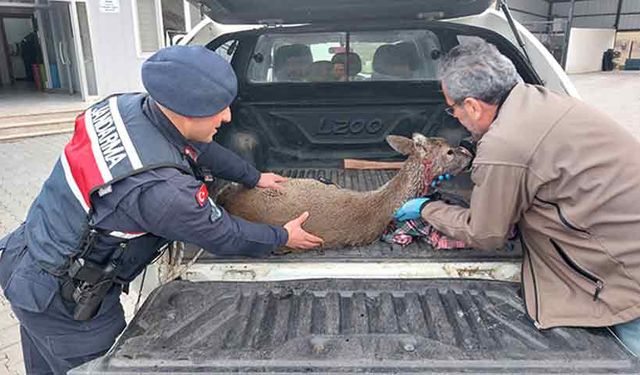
x=429, y=158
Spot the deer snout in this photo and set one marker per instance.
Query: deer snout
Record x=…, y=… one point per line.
x=461, y=162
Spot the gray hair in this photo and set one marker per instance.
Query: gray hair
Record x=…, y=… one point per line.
x=477, y=70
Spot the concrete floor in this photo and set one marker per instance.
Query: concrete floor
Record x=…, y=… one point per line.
x=23, y=99
x=617, y=94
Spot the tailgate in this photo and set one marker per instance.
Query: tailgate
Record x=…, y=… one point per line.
x=345, y=326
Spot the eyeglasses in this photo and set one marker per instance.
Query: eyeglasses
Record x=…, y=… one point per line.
x=450, y=109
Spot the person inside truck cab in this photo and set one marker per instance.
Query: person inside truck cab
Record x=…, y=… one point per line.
x=566, y=174
x=291, y=62
x=339, y=61
x=131, y=179
x=320, y=71
x=394, y=62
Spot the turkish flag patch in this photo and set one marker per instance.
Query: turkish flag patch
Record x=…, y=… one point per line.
x=202, y=195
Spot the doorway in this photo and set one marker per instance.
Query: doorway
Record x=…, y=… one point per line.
x=628, y=46
x=70, y=54
x=20, y=52
x=64, y=64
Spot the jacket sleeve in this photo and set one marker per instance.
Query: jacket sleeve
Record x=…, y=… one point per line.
x=498, y=199
x=176, y=209
x=226, y=164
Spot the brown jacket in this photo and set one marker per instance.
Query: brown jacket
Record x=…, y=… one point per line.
x=570, y=177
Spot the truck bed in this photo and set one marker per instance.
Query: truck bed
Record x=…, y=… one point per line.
x=352, y=326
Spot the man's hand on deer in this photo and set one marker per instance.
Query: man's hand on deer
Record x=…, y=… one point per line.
x=298, y=237
x=270, y=181
x=412, y=209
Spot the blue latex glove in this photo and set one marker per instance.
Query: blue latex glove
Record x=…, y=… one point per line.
x=440, y=179
x=411, y=209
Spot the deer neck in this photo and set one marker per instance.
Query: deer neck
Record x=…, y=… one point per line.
x=412, y=180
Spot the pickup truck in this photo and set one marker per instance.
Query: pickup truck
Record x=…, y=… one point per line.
x=379, y=308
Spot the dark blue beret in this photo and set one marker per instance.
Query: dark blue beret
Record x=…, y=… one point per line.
x=190, y=80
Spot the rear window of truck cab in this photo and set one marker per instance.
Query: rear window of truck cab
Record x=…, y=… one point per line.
x=390, y=55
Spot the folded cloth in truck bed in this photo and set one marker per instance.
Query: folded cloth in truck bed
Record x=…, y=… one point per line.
x=403, y=233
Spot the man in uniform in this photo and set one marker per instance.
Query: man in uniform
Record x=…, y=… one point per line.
x=130, y=180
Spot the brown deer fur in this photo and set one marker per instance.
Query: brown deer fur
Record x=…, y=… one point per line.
x=345, y=217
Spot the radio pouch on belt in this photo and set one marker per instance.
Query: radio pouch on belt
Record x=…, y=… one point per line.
x=87, y=283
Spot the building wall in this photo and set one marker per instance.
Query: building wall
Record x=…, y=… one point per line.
x=588, y=14
x=586, y=47
x=601, y=13
x=630, y=21
x=117, y=63
x=529, y=10
x=115, y=49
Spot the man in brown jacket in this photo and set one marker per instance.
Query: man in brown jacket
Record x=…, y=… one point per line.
x=566, y=174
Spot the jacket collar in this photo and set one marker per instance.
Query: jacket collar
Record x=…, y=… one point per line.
x=168, y=130
x=504, y=101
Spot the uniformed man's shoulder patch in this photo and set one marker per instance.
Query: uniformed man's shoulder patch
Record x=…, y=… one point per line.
x=216, y=212
x=202, y=195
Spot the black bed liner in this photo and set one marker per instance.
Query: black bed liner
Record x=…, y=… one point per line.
x=346, y=326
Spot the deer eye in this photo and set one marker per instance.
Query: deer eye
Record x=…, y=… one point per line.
x=450, y=152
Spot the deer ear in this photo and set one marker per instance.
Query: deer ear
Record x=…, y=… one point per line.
x=401, y=144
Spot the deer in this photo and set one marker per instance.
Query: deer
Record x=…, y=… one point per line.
x=344, y=217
